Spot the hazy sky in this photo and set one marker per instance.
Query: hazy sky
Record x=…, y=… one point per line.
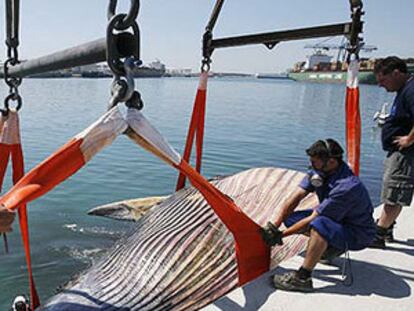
x=171, y=30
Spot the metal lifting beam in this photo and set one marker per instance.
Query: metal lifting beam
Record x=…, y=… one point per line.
x=85, y=54
x=270, y=39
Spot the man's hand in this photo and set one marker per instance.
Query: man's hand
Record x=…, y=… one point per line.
x=403, y=141
x=271, y=235
x=6, y=219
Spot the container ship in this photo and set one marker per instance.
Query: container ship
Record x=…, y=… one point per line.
x=155, y=69
x=319, y=67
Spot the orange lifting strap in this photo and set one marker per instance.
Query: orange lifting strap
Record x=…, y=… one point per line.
x=10, y=145
x=196, y=126
x=353, y=117
x=253, y=256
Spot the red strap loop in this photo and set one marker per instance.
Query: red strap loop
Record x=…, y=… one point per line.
x=353, y=129
x=196, y=128
x=253, y=256
x=353, y=117
x=15, y=151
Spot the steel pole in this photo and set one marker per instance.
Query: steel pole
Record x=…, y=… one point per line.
x=85, y=54
x=214, y=15
x=272, y=38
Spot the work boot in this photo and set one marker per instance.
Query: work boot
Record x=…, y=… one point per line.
x=379, y=240
x=291, y=281
x=389, y=235
x=330, y=254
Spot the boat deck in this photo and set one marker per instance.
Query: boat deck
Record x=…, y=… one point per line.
x=383, y=280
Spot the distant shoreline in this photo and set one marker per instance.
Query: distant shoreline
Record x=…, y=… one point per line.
x=167, y=75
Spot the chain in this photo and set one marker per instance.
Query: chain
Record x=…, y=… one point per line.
x=127, y=20
x=355, y=41
x=123, y=85
x=12, y=43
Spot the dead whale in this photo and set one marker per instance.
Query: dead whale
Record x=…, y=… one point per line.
x=180, y=255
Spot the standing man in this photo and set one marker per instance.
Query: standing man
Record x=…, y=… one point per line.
x=342, y=221
x=397, y=140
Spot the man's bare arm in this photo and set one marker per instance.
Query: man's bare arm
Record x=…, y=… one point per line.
x=404, y=141
x=301, y=226
x=291, y=203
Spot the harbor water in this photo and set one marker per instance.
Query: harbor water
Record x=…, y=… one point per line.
x=249, y=123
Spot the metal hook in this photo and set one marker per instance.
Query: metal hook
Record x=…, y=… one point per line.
x=123, y=89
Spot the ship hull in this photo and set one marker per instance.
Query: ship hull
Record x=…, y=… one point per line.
x=365, y=77
x=272, y=76
x=145, y=72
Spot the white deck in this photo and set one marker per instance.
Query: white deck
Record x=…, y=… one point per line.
x=383, y=280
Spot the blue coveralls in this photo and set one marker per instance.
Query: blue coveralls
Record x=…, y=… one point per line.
x=344, y=218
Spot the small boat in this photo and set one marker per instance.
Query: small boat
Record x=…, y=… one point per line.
x=381, y=115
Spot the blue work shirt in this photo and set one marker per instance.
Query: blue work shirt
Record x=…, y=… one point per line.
x=401, y=118
x=344, y=199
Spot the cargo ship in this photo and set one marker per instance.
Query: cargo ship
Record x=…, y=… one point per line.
x=319, y=67
x=155, y=69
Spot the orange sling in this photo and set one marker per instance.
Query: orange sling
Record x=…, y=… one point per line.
x=253, y=256
x=353, y=117
x=196, y=126
x=10, y=147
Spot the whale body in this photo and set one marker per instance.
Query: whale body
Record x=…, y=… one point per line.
x=180, y=256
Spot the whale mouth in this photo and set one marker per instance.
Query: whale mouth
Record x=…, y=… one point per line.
x=129, y=210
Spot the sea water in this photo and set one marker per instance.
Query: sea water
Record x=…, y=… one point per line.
x=249, y=123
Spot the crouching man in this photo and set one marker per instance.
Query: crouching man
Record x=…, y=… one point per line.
x=342, y=221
